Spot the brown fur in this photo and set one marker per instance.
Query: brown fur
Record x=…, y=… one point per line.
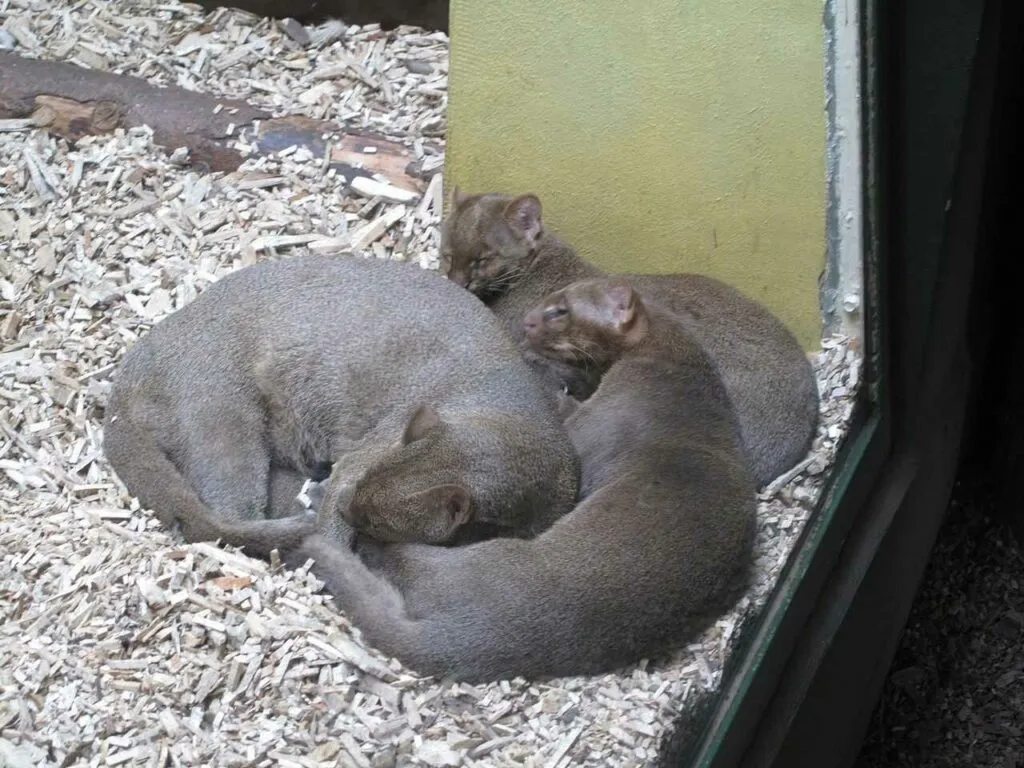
x=280, y=370
x=498, y=247
x=654, y=551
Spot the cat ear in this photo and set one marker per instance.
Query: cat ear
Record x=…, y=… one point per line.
x=423, y=419
x=451, y=503
x=523, y=215
x=454, y=500
x=622, y=300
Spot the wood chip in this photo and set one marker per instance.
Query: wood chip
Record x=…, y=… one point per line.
x=295, y=31
x=11, y=125
x=227, y=583
x=367, y=187
x=363, y=236
x=563, y=747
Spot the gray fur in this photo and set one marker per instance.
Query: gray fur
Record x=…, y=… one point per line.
x=278, y=370
x=658, y=547
x=765, y=371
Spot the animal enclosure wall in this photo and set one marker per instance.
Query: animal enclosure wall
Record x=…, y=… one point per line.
x=661, y=136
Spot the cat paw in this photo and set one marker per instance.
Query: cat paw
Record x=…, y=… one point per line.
x=567, y=404
x=316, y=496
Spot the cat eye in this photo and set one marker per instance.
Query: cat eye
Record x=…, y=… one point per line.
x=554, y=313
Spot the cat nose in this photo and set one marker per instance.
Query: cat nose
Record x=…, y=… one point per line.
x=531, y=322
x=459, y=276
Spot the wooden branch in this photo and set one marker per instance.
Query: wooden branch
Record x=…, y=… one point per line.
x=72, y=102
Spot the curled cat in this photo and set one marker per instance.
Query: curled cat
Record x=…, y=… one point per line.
x=498, y=247
x=404, y=383
x=656, y=549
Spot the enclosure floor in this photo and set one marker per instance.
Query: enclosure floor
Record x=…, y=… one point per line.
x=120, y=646
x=954, y=695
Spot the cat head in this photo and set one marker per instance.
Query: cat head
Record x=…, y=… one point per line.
x=417, y=491
x=587, y=324
x=487, y=241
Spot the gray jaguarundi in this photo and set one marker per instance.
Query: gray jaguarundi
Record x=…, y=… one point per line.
x=657, y=548
x=498, y=247
x=281, y=369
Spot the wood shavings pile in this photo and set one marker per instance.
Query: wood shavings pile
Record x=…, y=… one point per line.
x=118, y=645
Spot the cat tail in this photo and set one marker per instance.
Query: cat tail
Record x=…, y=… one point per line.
x=596, y=591
x=459, y=628
x=152, y=477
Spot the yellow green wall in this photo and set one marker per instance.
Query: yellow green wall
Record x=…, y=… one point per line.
x=661, y=136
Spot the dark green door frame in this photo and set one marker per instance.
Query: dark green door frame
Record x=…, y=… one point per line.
x=932, y=94
x=944, y=112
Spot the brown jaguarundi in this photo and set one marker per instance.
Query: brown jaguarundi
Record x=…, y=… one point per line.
x=281, y=369
x=658, y=547
x=498, y=247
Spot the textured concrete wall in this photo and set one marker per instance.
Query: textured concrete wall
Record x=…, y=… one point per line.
x=661, y=136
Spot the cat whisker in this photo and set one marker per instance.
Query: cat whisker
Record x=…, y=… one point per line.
x=584, y=354
x=493, y=285
x=571, y=351
x=507, y=277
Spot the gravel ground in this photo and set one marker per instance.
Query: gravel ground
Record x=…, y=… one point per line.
x=955, y=691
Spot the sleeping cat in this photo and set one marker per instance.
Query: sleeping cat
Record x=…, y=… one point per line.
x=655, y=550
x=401, y=380
x=497, y=247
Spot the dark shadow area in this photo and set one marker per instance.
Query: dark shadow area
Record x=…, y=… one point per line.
x=432, y=14
x=954, y=694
